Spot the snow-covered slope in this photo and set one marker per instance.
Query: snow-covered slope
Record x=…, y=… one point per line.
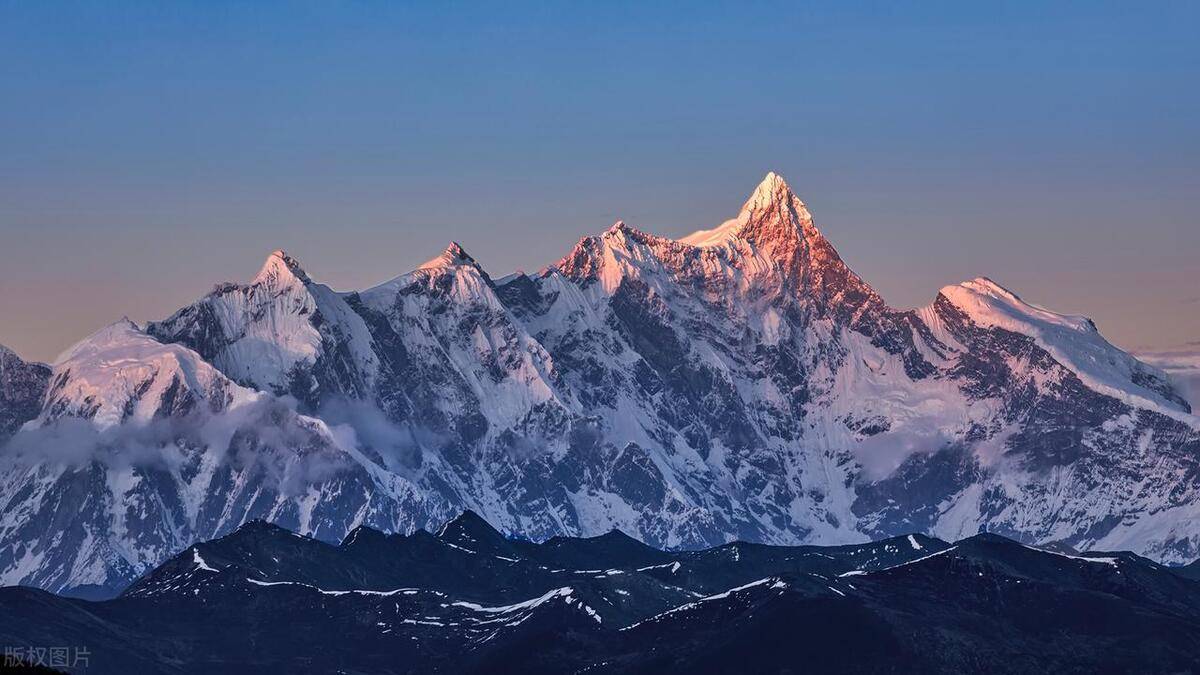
x=143, y=447
x=280, y=333
x=120, y=374
x=742, y=382
x=1073, y=341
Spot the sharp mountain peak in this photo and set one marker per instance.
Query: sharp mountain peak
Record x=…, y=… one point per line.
x=772, y=214
x=771, y=191
x=453, y=255
x=281, y=269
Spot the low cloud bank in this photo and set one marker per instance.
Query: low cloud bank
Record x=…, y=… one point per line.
x=266, y=434
x=362, y=425
x=880, y=455
x=1182, y=365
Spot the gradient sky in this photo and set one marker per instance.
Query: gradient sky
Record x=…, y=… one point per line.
x=151, y=150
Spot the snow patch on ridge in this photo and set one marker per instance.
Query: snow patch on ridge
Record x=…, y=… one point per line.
x=199, y=561
x=566, y=593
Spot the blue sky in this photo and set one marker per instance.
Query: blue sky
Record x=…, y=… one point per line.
x=153, y=149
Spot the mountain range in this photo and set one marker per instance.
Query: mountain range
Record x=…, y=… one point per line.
x=741, y=383
x=467, y=599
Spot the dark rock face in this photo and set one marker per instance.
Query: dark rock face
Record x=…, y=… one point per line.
x=469, y=600
x=22, y=388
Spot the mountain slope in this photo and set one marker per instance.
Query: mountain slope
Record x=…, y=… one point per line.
x=143, y=447
x=281, y=333
x=740, y=383
x=907, y=604
x=22, y=388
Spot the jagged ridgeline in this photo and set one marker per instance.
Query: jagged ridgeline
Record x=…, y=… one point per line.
x=468, y=599
x=739, y=383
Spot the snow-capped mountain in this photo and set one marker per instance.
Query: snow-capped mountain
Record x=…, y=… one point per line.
x=142, y=447
x=739, y=383
x=281, y=333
